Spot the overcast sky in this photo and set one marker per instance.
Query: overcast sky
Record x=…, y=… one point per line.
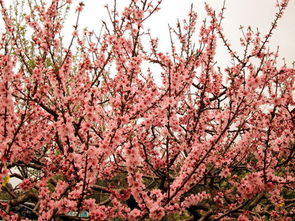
x=256, y=13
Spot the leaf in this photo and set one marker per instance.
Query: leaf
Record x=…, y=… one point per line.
x=32, y=63
x=5, y=180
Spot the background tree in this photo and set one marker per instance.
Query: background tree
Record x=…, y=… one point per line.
x=85, y=126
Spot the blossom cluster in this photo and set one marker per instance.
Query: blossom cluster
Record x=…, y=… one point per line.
x=89, y=125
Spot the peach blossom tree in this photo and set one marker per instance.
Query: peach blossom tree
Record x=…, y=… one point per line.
x=108, y=124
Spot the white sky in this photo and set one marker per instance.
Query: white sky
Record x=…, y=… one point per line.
x=256, y=13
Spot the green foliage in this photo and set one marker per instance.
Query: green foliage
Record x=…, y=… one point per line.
x=31, y=63
x=181, y=216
